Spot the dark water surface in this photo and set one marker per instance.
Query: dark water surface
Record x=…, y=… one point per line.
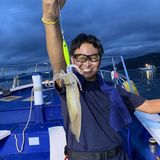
x=147, y=82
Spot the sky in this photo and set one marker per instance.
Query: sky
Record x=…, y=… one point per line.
x=125, y=27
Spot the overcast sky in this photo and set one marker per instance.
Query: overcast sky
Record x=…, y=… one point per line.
x=125, y=27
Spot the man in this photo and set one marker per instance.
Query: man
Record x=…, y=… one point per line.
x=103, y=106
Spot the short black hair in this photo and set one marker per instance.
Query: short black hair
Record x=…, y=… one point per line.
x=84, y=38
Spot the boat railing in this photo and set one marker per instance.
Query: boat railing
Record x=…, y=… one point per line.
x=105, y=74
x=114, y=75
x=23, y=73
x=16, y=75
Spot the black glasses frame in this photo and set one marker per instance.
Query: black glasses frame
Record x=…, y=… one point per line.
x=91, y=57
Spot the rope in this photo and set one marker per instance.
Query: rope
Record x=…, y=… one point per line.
x=21, y=147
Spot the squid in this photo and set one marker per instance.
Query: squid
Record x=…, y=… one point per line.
x=71, y=83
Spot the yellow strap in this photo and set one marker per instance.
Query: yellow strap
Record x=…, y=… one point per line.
x=49, y=22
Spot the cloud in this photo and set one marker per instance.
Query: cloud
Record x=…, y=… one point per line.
x=124, y=27
x=22, y=35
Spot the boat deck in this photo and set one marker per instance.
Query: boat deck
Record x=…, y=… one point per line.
x=14, y=110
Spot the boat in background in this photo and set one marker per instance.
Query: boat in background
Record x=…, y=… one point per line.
x=38, y=126
x=148, y=67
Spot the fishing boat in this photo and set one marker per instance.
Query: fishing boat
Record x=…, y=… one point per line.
x=31, y=125
x=148, y=67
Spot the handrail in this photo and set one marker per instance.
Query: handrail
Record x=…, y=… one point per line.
x=121, y=78
x=35, y=65
x=126, y=73
x=15, y=72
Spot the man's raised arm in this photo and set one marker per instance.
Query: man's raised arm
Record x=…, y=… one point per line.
x=53, y=33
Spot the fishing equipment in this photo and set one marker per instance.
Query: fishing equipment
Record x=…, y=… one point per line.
x=71, y=83
x=72, y=91
x=122, y=80
x=65, y=47
x=126, y=86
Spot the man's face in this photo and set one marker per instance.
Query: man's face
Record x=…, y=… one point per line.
x=87, y=59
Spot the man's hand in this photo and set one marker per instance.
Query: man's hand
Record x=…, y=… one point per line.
x=54, y=40
x=51, y=9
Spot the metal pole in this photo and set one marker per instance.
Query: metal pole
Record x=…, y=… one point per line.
x=126, y=73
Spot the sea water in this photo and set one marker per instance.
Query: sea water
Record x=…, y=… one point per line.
x=147, y=82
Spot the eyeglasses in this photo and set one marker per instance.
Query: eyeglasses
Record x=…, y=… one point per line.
x=83, y=58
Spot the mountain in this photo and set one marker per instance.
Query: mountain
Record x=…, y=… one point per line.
x=134, y=63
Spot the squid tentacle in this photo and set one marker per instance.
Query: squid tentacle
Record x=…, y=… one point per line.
x=71, y=83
